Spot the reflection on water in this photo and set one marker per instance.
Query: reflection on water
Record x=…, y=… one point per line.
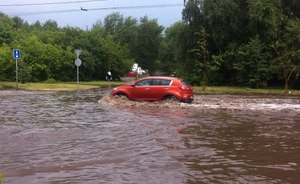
x=68, y=138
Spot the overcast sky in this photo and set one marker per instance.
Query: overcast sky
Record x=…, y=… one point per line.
x=65, y=12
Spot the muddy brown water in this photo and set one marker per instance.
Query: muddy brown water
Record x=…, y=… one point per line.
x=67, y=137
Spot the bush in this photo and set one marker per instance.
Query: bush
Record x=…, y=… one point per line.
x=50, y=81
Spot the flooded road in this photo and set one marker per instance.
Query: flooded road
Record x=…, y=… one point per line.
x=62, y=138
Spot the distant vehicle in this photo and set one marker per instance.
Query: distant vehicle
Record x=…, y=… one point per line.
x=156, y=88
x=135, y=70
x=131, y=74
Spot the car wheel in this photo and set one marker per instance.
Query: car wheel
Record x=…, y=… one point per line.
x=122, y=96
x=171, y=98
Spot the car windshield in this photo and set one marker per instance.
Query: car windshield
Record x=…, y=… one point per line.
x=186, y=83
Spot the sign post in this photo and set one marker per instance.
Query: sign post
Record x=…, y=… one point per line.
x=17, y=55
x=78, y=62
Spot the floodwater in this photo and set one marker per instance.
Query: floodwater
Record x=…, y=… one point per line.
x=88, y=137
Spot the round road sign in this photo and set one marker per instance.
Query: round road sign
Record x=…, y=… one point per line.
x=78, y=62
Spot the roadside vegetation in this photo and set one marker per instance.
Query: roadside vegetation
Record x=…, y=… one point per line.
x=57, y=86
x=243, y=91
x=250, y=44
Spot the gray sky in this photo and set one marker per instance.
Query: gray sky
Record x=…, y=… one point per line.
x=67, y=13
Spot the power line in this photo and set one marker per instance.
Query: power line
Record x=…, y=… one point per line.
x=50, y=3
x=100, y=9
x=138, y=7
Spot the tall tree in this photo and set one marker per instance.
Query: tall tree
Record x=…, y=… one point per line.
x=225, y=22
x=252, y=65
x=113, y=23
x=6, y=29
x=148, y=42
x=116, y=58
x=50, y=25
x=128, y=34
x=192, y=13
x=265, y=18
x=170, y=56
x=291, y=8
x=7, y=66
x=288, y=52
x=192, y=16
x=202, y=60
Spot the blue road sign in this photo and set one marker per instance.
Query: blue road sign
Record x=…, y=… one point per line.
x=17, y=54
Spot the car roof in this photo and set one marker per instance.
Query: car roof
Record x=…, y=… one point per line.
x=161, y=77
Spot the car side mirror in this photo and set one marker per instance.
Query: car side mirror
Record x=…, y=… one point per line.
x=132, y=84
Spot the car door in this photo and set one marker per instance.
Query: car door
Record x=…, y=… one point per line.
x=141, y=90
x=159, y=88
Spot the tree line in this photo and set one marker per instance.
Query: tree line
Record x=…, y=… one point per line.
x=252, y=43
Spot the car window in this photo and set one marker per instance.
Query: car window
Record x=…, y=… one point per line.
x=160, y=82
x=143, y=83
x=186, y=83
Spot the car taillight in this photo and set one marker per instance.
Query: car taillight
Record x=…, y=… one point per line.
x=184, y=88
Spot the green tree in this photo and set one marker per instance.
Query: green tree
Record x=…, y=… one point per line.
x=6, y=29
x=116, y=58
x=102, y=53
x=50, y=25
x=265, y=19
x=225, y=21
x=44, y=61
x=37, y=26
x=20, y=23
x=171, y=48
x=7, y=65
x=72, y=37
x=92, y=58
x=148, y=43
x=123, y=29
x=291, y=8
x=252, y=65
x=113, y=23
x=287, y=49
x=192, y=44
x=128, y=35
x=204, y=64
x=202, y=60
x=192, y=14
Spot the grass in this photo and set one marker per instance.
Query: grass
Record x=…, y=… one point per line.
x=72, y=86
x=104, y=83
x=57, y=86
x=1, y=178
x=241, y=91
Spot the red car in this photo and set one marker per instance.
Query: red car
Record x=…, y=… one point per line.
x=131, y=74
x=156, y=88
